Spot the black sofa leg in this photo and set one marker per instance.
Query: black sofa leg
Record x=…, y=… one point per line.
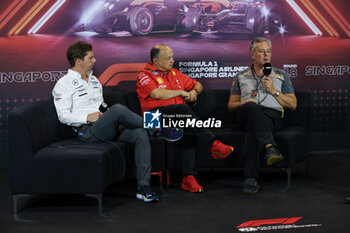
x=15, y=198
x=98, y=196
x=164, y=184
x=289, y=178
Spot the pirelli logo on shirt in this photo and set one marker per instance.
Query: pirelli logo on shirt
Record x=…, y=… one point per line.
x=274, y=76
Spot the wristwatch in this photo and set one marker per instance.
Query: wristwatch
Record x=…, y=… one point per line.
x=277, y=93
x=196, y=89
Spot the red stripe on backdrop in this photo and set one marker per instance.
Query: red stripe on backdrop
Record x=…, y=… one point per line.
x=118, y=71
x=10, y=12
x=25, y=18
x=336, y=15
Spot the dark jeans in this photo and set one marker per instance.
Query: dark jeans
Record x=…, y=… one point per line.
x=188, y=147
x=259, y=123
x=107, y=128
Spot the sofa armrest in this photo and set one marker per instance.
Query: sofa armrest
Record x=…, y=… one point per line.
x=20, y=141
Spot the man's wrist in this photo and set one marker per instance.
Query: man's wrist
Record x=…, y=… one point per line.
x=182, y=93
x=194, y=92
x=276, y=93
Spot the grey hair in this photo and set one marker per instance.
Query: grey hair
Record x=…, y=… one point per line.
x=258, y=40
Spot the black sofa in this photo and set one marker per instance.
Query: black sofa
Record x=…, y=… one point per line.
x=292, y=139
x=46, y=158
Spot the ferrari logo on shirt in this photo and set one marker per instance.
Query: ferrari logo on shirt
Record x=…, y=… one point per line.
x=160, y=80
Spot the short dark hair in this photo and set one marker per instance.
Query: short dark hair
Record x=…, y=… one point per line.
x=77, y=50
x=155, y=52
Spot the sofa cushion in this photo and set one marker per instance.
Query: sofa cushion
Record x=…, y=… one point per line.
x=213, y=104
x=40, y=120
x=111, y=95
x=72, y=165
x=302, y=115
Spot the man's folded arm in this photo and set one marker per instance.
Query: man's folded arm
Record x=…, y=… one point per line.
x=164, y=94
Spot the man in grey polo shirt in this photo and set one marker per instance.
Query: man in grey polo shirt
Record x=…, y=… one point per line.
x=259, y=102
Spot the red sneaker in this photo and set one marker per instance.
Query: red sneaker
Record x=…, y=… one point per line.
x=190, y=183
x=219, y=150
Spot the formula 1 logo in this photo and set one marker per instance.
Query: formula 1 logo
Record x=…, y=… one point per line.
x=272, y=224
x=257, y=223
x=151, y=120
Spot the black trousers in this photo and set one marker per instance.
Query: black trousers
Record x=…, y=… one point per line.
x=186, y=144
x=259, y=124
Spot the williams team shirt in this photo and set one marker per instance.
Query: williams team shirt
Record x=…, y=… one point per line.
x=74, y=98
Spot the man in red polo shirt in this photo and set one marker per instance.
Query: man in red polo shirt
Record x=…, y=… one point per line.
x=164, y=88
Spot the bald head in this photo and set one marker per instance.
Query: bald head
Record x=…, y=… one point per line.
x=162, y=57
x=156, y=50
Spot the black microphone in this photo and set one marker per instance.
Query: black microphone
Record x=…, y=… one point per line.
x=267, y=69
x=103, y=107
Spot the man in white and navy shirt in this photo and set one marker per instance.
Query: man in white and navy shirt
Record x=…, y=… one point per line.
x=259, y=102
x=77, y=98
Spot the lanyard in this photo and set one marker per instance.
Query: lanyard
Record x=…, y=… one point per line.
x=255, y=91
x=257, y=78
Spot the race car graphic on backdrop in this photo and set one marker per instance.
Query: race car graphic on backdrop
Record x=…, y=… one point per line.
x=141, y=17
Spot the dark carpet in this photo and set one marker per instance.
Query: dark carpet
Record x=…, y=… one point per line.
x=317, y=196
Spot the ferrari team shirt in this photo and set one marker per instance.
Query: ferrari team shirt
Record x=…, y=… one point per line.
x=150, y=78
x=74, y=98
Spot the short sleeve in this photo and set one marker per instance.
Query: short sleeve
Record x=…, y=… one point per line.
x=187, y=81
x=144, y=85
x=235, y=89
x=287, y=87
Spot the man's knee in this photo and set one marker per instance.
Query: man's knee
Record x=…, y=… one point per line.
x=251, y=104
x=250, y=107
x=117, y=108
x=184, y=108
